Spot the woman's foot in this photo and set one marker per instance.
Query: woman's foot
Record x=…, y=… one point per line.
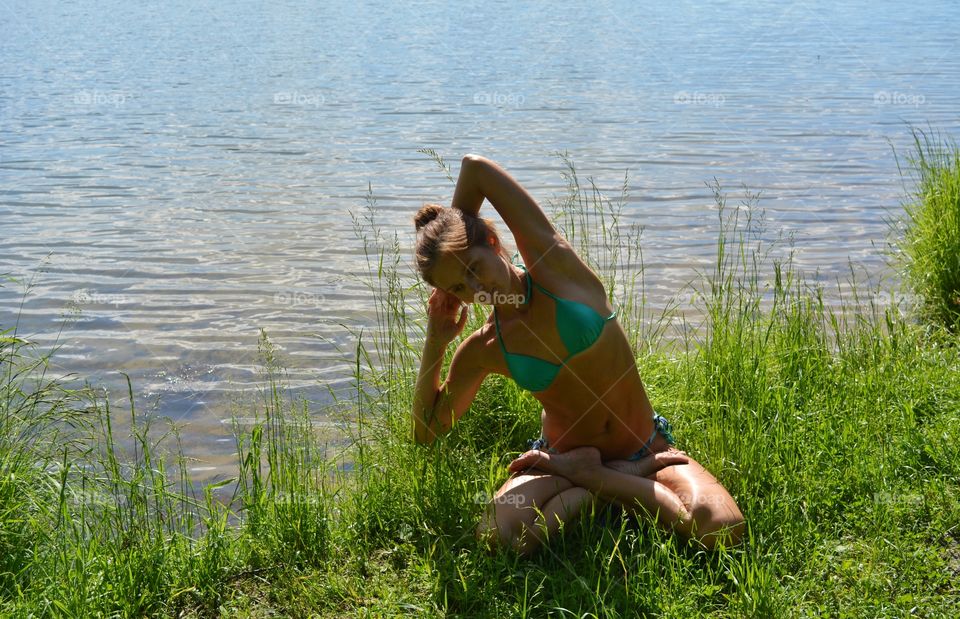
x=565, y=464
x=648, y=465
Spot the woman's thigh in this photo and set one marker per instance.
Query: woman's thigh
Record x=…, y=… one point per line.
x=708, y=501
x=516, y=502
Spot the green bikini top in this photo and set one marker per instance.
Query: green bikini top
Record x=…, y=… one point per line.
x=579, y=326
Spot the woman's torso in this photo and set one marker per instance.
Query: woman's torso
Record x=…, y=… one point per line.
x=596, y=398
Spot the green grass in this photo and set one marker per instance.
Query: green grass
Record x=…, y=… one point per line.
x=836, y=429
x=928, y=250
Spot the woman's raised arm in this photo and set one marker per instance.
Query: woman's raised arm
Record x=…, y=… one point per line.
x=436, y=407
x=481, y=178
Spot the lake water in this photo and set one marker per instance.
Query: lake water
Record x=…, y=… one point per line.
x=184, y=173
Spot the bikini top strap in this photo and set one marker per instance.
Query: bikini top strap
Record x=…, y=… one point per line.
x=496, y=320
x=529, y=293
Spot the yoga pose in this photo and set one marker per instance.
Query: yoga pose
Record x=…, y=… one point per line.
x=552, y=330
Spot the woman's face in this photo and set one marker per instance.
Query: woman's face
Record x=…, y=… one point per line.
x=474, y=275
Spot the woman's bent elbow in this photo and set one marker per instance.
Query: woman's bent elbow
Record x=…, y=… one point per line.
x=426, y=434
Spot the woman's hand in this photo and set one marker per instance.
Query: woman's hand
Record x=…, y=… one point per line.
x=648, y=465
x=567, y=464
x=442, y=322
x=570, y=463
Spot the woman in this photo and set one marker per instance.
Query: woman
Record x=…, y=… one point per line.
x=552, y=330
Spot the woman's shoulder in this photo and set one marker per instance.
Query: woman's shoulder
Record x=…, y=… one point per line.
x=482, y=340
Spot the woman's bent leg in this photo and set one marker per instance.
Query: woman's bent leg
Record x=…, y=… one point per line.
x=559, y=510
x=716, y=517
x=681, y=497
x=684, y=498
x=528, y=508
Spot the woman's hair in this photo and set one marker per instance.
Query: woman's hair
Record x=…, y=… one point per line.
x=443, y=229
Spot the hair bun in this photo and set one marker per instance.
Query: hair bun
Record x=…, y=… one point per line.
x=426, y=214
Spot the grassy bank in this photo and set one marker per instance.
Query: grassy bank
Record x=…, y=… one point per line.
x=835, y=429
x=928, y=248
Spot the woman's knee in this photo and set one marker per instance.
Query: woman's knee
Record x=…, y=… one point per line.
x=560, y=509
x=502, y=527
x=715, y=533
x=488, y=531
x=515, y=519
x=712, y=529
x=714, y=517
